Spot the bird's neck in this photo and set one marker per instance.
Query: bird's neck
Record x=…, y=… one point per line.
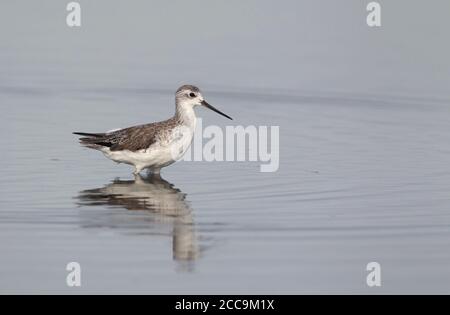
x=186, y=115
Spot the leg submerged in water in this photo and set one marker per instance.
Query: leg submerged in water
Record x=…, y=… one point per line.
x=154, y=173
x=137, y=169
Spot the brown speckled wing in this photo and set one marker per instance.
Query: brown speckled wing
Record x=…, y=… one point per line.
x=133, y=138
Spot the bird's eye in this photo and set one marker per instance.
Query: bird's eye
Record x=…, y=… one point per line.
x=192, y=94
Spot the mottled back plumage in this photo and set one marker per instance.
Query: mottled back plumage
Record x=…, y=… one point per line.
x=132, y=138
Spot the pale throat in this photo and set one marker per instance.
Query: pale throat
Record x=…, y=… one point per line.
x=186, y=115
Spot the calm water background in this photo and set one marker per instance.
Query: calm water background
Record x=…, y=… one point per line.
x=364, y=122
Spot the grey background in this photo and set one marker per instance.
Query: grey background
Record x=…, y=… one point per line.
x=239, y=44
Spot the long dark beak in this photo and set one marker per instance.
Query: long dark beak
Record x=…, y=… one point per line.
x=204, y=103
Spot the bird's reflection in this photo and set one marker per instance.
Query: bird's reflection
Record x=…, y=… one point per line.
x=163, y=204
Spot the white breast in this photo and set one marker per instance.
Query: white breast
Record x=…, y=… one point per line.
x=165, y=151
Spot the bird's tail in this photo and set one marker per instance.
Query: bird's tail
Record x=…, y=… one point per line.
x=91, y=140
x=94, y=135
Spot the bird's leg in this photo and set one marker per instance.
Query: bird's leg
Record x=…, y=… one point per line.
x=154, y=173
x=137, y=170
x=138, y=178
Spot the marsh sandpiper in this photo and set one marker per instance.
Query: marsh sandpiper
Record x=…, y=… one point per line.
x=155, y=145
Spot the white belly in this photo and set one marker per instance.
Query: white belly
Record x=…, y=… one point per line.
x=160, y=154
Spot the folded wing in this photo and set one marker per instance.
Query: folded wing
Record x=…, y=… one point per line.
x=132, y=138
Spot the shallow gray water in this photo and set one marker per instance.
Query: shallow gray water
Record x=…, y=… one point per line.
x=364, y=176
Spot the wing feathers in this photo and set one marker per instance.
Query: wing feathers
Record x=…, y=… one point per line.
x=133, y=138
x=95, y=135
